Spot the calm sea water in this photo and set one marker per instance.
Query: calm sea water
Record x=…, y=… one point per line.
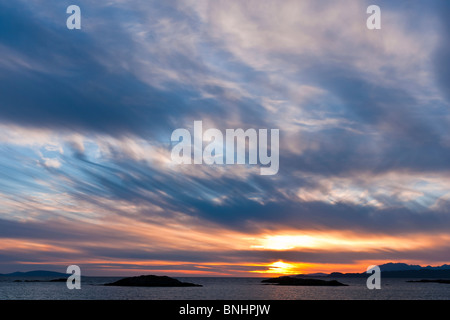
x=220, y=289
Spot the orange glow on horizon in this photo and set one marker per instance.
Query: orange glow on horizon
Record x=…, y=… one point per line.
x=148, y=237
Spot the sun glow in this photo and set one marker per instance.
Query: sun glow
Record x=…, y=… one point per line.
x=349, y=241
x=283, y=268
x=285, y=242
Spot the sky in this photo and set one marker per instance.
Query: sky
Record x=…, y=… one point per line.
x=86, y=116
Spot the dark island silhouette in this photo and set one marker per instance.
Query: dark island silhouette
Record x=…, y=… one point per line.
x=446, y=281
x=59, y=280
x=295, y=281
x=151, y=281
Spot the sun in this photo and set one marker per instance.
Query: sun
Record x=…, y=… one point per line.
x=281, y=267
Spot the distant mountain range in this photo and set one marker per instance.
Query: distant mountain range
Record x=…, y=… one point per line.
x=36, y=273
x=407, y=267
x=395, y=270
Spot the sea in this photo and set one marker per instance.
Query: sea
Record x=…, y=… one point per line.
x=219, y=288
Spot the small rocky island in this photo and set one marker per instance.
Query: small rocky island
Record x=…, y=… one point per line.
x=151, y=281
x=59, y=280
x=293, y=281
x=447, y=281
